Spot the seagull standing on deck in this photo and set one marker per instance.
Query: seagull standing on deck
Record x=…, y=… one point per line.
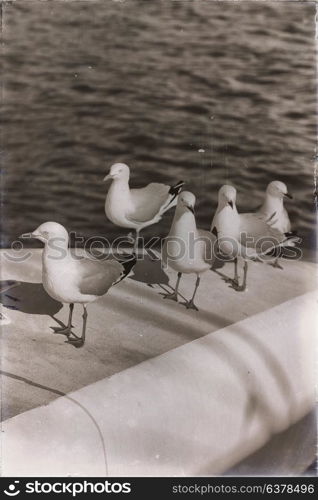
x=247, y=236
x=273, y=209
x=137, y=208
x=72, y=279
x=186, y=248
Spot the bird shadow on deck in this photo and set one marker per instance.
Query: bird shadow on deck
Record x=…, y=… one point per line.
x=29, y=298
x=150, y=271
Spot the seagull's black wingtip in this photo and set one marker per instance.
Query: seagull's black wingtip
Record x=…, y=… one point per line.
x=129, y=264
x=175, y=190
x=291, y=234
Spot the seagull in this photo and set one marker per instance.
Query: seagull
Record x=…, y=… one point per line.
x=247, y=235
x=186, y=248
x=137, y=208
x=72, y=279
x=273, y=209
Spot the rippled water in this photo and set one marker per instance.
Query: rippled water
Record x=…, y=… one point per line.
x=204, y=91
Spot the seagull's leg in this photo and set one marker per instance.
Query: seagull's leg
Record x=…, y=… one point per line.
x=136, y=241
x=68, y=328
x=131, y=237
x=174, y=294
x=69, y=324
x=235, y=281
x=236, y=276
x=79, y=342
x=242, y=288
x=85, y=314
x=245, y=275
x=276, y=264
x=190, y=303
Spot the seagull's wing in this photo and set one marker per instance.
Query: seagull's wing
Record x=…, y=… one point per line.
x=285, y=223
x=278, y=219
x=256, y=229
x=149, y=202
x=97, y=276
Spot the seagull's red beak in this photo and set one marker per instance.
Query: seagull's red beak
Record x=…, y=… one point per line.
x=29, y=235
x=26, y=235
x=288, y=196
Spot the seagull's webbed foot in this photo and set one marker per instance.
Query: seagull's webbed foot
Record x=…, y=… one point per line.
x=189, y=304
x=76, y=342
x=234, y=282
x=63, y=330
x=276, y=265
x=170, y=296
x=239, y=288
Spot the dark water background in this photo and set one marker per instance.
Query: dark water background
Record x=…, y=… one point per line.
x=152, y=84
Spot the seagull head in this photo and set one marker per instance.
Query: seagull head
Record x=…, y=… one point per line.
x=186, y=200
x=227, y=196
x=118, y=171
x=47, y=231
x=278, y=189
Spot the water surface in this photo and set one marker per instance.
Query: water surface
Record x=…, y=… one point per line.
x=208, y=92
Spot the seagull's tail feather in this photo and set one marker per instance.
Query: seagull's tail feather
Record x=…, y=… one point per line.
x=290, y=241
x=127, y=264
x=282, y=240
x=291, y=234
x=175, y=190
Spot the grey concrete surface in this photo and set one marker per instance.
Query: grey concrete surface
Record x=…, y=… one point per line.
x=198, y=409
x=131, y=324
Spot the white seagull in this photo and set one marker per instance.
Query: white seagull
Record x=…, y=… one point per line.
x=273, y=209
x=137, y=208
x=186, y=248
x=74, y=279
x=247, y=236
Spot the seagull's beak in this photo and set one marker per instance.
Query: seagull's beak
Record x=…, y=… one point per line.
x=26, y=235
x=288, y=196
x=29, y=235
x=231, y=204
x=109, y=176
x=190, y=207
